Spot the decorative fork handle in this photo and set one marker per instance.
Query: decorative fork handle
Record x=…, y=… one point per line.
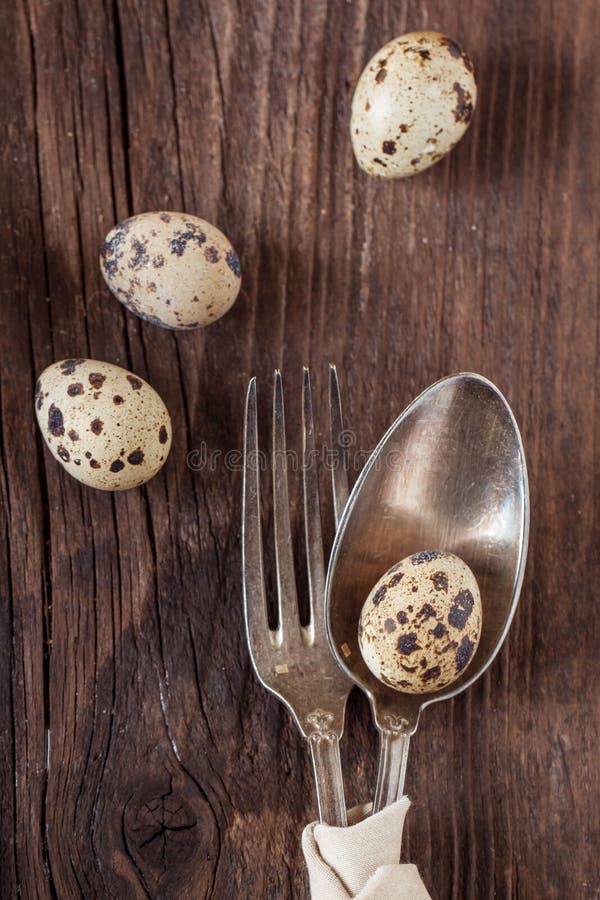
x=394, y=741
x=327, y=768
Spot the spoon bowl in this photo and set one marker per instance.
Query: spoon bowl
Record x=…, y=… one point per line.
x=450, y=474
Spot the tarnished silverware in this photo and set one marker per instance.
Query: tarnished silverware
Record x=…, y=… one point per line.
x=293, y=661
x=449, y=474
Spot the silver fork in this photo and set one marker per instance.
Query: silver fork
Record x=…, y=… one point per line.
x=293, y=661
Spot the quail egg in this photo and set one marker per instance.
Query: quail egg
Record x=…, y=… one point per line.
x=107, y=427
x=420, y=625
x=412, y=104
x=172, y=269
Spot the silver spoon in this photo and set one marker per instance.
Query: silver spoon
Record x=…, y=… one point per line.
x=450, y=474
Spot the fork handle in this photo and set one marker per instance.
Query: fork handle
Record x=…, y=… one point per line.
x=327, y=768
x=393, y=754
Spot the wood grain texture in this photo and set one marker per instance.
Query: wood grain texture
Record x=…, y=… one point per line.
x=138, y=755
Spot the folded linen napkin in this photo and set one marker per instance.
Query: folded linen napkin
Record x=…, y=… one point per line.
x=361, y=861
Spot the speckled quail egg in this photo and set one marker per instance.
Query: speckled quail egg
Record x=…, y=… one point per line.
x=172, y=269
x=106, y=427
x=412, y=104
x=420, y=625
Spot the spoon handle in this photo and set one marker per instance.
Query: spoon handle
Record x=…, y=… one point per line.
x=393, y=755
x=327, y=767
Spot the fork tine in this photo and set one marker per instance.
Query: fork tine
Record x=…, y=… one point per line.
x=339, y=472
x=312, y=512
x=255, y=601
x=287, y=600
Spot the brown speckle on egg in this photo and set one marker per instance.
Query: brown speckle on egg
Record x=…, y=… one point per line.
x=432, y=641
x=440, y=581
x=379, y=595
x=456, y=52
x=139, y=257
x=136, y=383
x=464, y=104
x=425, y=556
x=464, y=653
x=432, y=674
x=56, y=425
x=407, y=643
x=74, y=389
x=234, y=263
x=453, y=48
x=39, y=395
x=461, y=609
x=426, y=612
x=68, y=366
x=136, y=458
x=96, y=380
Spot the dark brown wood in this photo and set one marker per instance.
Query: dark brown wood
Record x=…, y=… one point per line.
x=139, y=756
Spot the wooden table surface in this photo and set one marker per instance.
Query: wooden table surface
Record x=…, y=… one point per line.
x=139, y=757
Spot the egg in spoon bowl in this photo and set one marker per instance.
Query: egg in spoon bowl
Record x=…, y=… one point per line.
x=449, y=473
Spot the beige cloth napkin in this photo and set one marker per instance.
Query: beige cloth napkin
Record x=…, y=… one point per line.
x=361, y=861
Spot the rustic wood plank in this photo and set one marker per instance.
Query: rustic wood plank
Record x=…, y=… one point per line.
x=24, y=509
x=139, y=756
